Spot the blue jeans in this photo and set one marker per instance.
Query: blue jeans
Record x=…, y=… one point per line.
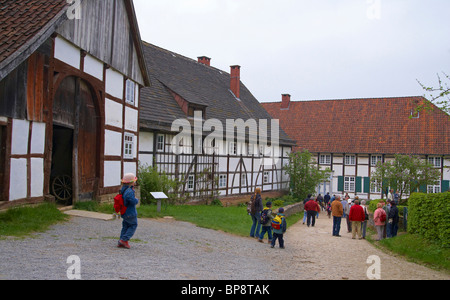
x=265, y=229
x=336, y=225
x=129, y=226
x=391, y=230
x=256, y=218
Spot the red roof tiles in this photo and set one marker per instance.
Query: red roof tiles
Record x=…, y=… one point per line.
x=370, y=126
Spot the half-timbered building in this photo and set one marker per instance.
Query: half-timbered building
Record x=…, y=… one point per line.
x=351, y=136
x=183, y=88
x=70, y=80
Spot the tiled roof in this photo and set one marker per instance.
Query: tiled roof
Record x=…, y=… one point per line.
x=197, y=84
x=22, y=19
x=365, y=126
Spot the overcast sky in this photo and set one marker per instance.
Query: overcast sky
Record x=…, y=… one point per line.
x=313, y=50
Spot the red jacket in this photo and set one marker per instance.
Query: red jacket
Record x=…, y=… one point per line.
x=357, y=213
x=312, y=205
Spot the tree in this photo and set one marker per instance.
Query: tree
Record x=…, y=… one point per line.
x=405, y=173
x=304, y=174
x=440, y=96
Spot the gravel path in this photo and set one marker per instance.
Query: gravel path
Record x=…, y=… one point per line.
x=167, y=249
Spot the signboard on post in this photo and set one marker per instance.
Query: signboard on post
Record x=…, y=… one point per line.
x=159, y=196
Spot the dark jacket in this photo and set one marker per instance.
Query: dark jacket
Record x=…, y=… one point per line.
x=393, y=214
x=258, y=204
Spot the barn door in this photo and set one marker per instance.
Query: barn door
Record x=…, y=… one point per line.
x=75, y=117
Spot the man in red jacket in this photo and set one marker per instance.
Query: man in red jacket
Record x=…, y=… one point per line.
x=311, y=208
x=356, y=216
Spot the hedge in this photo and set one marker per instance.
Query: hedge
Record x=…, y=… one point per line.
x=429, y=216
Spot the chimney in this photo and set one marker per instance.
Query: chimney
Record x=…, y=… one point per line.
x=286, y=101
x=204, y=60
x=235, y=85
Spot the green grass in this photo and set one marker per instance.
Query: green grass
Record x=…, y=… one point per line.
x=22, y=221
x=417, y=249
x=232, y=220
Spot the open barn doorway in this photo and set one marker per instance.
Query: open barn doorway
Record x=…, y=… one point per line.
x=76, y=142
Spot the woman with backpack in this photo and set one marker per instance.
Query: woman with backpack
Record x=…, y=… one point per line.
x=255, y=207
x=379, y=219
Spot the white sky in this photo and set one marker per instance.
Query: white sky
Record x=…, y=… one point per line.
x=327, y=49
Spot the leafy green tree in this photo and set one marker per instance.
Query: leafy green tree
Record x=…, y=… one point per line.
x=440, y=96
x=406, y=174
x=304, y=174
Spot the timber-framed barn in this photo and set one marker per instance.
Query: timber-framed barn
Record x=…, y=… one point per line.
x=70, y=81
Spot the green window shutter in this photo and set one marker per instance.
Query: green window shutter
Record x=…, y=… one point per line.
x=367, y=185
x=423, y=188
x=340, y=183
x=358, y=183
x=445, y=186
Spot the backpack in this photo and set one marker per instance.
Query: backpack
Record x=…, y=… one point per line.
x=277, y=222
x=119, y=205
x=383, y=217
x=251, y=209
x=265, y=216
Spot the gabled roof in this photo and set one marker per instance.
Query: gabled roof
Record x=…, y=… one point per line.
x=365, y=126
x=198, y=84
x=26, y=24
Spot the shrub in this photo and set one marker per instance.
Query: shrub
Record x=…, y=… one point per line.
x=429, y=216
x=150, y=180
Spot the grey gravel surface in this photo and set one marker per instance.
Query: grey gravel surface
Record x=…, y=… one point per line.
x=171, y=250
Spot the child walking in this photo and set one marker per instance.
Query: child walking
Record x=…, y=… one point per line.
x=130, y=222
x=266, y=222
x=279, y=230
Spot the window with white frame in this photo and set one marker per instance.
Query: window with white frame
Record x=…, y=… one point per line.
x=349, y=184
x=435, y=161
x=350, y=160
x=190, y=182
x=233, y=148
x=325, y=159
x=434, y=189
x=374, y=159
x=222, y=181
x=160, y=143
x=375, y=187
x=266, y=178
x=130, y=92
x=128, y=146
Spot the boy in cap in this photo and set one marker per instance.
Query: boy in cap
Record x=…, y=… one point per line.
x=130, y=223
x=278, y=232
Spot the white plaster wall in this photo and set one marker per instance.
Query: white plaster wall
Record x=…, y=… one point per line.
x=67, y=52
x=18, y=179
x=146, y=159
x=363, y=171
x=112, y=173
x=93, y=66
x=38, y=138
x=19, y=142
x=131, y=119
x=37, y=177
x=129, y=167
x=114, y=83
x=113, y=113
x=146, y=141
x=113, y=143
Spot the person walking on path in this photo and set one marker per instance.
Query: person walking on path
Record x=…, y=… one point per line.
x=364, y=223
x=379, y=219
x=130, y=221
x=393, y=220
x=356, y=216
x=266, y=222
x=278, y=233
x=346, y=211
x=304, y=203
x=312, y=208
x=255, y=213
x=337, y=211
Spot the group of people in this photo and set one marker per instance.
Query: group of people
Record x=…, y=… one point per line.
x=265, y=221
x=386, y=217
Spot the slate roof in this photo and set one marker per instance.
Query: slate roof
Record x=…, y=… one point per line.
x=197, y=84
x=365, y=126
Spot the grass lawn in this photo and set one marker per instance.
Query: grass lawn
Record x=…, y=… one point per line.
x=22, y=221
x=232, y=220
